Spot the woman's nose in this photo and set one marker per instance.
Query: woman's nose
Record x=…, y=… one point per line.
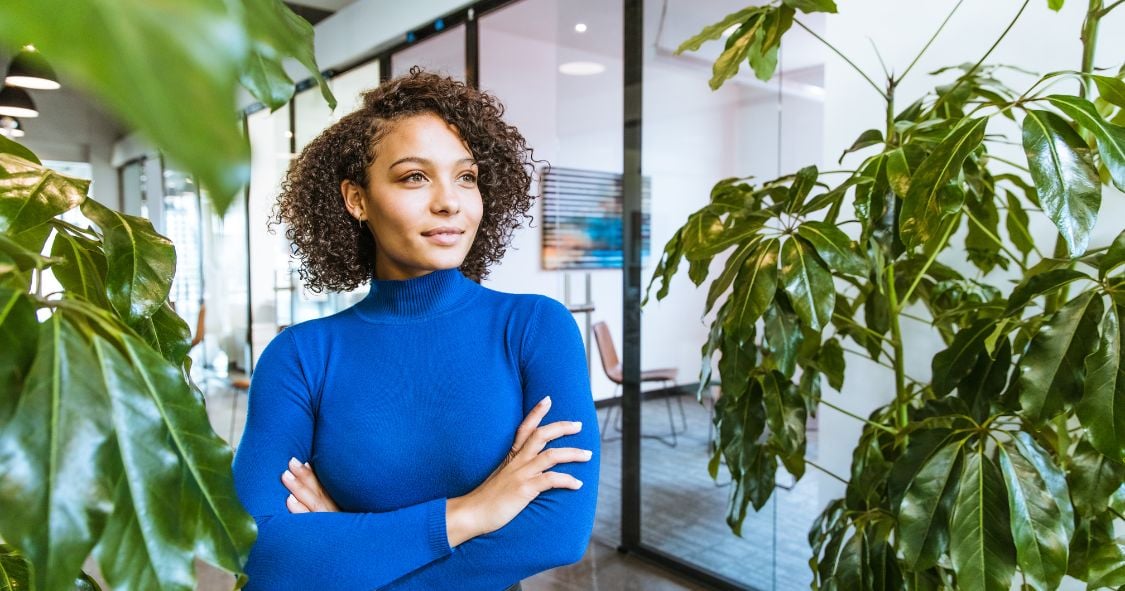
x=446, y=198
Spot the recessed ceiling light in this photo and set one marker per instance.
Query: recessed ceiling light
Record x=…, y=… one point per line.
x=580, y=27
x=581, y=68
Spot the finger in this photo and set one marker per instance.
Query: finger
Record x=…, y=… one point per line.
x=295, y=506
x=549, y=458
x=529, y=424
x=548, y=433
x=307, y=496
x=549, y=480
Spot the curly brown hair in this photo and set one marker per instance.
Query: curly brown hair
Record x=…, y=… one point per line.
x=337, y=252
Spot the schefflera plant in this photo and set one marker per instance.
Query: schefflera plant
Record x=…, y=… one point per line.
x=105, y=443
x=1009, y=458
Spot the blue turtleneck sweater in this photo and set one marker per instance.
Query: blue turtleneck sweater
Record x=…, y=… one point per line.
x=407, y=399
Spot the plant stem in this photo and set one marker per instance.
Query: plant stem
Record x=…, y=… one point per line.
x=857, y=417
x=1089, y=39
x=877, y=362
x=1008, y=162
x=825, y=470
x=1106, y=10
x=995, y=239
x=932, y=38
x=837, y=52
x=896, y=339
x=861, y=327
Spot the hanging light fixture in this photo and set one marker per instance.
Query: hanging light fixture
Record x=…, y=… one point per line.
x=29, y=70
x=15, y=102
x=10, y=127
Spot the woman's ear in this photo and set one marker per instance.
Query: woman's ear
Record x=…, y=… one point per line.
x=353, y=199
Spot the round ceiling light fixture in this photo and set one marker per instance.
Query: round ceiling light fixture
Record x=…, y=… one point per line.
x=581, y=68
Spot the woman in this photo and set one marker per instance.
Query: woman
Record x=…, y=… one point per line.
x=429, y=437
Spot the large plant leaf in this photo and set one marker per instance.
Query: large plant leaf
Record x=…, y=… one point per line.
x=1093, y=479
x=980, y=542
x=926, y=207
x=1065, y=177
x=1041, y=539
x=785, y=414
x=808, y=284
x=753, y=288
x=715, y=31
x=30, y=195
x=1110, y=137
x=8, y=146
x=167, y=333
x=833, y=246
x=953, y=364
x=738, y=46
x=730, y=270
x=783, y=337
x=223, y=531
x=56, y=458
x=277, y=32
x=141, y=263
x=1107, y=565
x=923, y=516
x=808, y=6
x=1051, y=369
x=1037, y=284
x=1102, y=408
x=82, y=270
x=666, y=268
x=18, y=334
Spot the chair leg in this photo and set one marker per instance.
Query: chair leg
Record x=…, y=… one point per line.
x=683, y=415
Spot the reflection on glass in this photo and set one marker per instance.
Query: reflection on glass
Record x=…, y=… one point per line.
x=444, y=53
x=182, y=226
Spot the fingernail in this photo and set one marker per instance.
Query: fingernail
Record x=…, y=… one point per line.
x=292, y=498
x=589, y=454
x=579, y=484
x=288, y=476
x=546, y=400
x=307, y=465
x=294, y=464
x=578, y=424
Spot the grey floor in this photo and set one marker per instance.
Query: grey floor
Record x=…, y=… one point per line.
x=683, y=513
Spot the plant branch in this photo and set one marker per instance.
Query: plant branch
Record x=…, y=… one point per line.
x=866, y=356
x=1008, y=162
x=861, y=327
x=857, y=417
x=976, y=66
x=896, y=335
x=825, y=470
x=837, y=52
x=994, y=238
x=878, y=55
x=932, y=38
x=1106, y=10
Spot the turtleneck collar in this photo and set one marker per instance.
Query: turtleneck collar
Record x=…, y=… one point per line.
x=418, y=298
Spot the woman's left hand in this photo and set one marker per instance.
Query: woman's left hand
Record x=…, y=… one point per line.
x=307, y=494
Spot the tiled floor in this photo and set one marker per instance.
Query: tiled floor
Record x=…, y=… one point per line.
x=683, y=512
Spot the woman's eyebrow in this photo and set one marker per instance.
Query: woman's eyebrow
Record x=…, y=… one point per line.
x=427, y=162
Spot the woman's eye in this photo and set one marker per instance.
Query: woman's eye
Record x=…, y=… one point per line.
x=470, y=177
x=414, y=177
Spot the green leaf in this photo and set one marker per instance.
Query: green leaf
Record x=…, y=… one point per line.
x=980, y=542
x=167, y=333
x=1016, y=224
x=223, y=531
x=753, y=288
x=737, y=47
x=730, y=269
x=1064, y=175
x=277, y=32
x=141, y=263
x=871, y=137
x=808, y=6
x=783, y=338
x=803, y=183
x=14, y=572
x=785, y=414
x=1102, y=408
x=1107, y=565
x=925, y=208
x=1037, y=284
x=1111, y=90
x=1041, y=540
x=954, y=363
x=56, y=456
x=834, y=247
x=145, y=544
x=808, y=284
x=715, y=31
x=1055, y=5
x=1051, y=369
x=18, y=332
x=8, y=146
x=923, y=530
x=666, y=268
x=267, y=80
x=898, y=172
x=830, y=362
x=988, y=380
x=1110, y=137
x=30, y=195
x=1093, y=479
x=767, y=41
x=1113, y=257
x=82, y=270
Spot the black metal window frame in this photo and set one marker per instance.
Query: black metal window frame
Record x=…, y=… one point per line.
x=632, y=541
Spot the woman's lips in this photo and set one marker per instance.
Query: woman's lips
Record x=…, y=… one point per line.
x=445, y=238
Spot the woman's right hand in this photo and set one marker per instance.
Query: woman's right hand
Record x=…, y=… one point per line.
x=518, y=480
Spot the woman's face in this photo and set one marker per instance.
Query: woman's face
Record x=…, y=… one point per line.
x=422, y=203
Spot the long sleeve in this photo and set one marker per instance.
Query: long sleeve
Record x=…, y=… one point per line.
x=340, y=551
x=555, y=528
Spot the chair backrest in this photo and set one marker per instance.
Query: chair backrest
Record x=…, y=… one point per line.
x=200, y=324
x=608, y=353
